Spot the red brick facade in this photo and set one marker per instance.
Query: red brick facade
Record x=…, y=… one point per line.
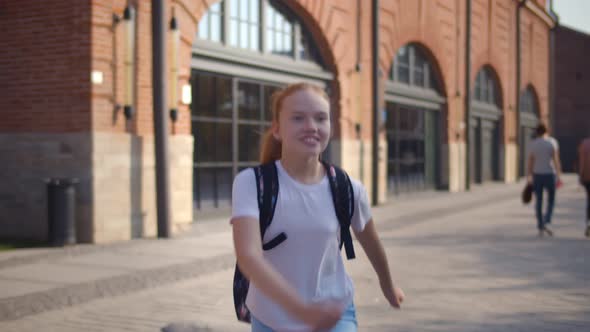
x=572, y=100
x=52, y=49
x=49, y=52
x=45, y=66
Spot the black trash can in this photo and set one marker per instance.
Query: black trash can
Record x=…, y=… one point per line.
x=61, y=208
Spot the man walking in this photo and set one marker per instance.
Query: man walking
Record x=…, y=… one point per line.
x=544, y=171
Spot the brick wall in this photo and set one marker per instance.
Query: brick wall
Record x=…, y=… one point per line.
x=45, y=66
x=572, y=86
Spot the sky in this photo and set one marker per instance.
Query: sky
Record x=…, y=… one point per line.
x=573, y=14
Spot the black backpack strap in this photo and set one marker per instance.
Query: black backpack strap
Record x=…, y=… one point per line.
x=267, y=188
x=343, y=197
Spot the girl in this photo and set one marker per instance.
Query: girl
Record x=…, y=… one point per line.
x=301, y=285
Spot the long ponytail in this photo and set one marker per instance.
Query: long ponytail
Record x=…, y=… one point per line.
x=271, y=148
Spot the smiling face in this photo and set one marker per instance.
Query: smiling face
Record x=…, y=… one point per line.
x=304, y=124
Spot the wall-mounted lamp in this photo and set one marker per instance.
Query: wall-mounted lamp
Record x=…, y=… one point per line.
x=187, y=94
x=175, y=40
x=129, y=64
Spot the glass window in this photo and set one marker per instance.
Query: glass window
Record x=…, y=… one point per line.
x=211, y=24
x=243, y=35
x=408, y=142
x=410, y=66
x=527, y=102
x=403, y=56
x=254, y=10
x=244, y=10
x=246, y=32
x=249, y=101
x=209, y=135
x=234, y=33
x=279, y=33
x=233, y=8
x=204, y=27
x=249, y=142
x=215, y=28
x=485, y=87
x=268, y=92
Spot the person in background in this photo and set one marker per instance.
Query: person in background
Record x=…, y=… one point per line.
x=584, y=176
x=544, y=172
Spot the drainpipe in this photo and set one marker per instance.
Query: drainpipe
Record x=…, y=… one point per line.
x=160, y=118
x=521, y=3
x=552, y=100
x=468, y=96
x=376, y=103
x=358, y=126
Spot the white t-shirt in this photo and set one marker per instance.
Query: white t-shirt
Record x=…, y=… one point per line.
x=309, y=259
x=543, y=148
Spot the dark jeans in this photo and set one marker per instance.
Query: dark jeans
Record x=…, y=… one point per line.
x=544, y=182
x=587, y=186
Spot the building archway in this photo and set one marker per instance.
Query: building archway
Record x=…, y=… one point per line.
x=244, y=51
x=529, y=118
x=485, y=127
x=414, y=102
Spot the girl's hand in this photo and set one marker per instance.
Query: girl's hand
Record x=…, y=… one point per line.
x=394, y=295
x=323, y=315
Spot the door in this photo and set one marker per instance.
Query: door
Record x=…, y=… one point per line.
x=488, y=147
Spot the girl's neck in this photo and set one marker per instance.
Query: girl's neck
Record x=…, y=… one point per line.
x=304, y=170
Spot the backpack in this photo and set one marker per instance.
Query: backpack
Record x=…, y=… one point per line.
x=267, y=185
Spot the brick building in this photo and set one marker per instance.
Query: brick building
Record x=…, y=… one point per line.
x=572, y=100
x=73, y=71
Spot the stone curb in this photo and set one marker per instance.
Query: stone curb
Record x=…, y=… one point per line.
x=34, y=303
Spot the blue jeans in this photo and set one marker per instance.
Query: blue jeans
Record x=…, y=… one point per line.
x=543, y=182
x=347, y=322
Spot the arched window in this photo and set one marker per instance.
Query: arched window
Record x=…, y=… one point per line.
x=528, y=102
x=263, y=26
x=484, y=127
x=486, y=88
x=413, y=107
x=244, y=51
x=411, y=67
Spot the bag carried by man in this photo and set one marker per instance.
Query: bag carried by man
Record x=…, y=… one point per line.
x=527, y=193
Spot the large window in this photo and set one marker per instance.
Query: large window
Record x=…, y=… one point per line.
x=484, y=127
x=229, y=115
x=412, y=122
x=245, y=51
x=262, y=26
x=412, y=155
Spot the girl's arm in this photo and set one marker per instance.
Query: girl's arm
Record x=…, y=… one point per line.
x=248, y=248
x=372, y=246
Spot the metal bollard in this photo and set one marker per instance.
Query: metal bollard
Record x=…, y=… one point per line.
x=61, y=208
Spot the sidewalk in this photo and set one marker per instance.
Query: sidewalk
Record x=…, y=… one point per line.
x=39, y=280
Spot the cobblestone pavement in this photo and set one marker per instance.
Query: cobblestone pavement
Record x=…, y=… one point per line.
x=482, y=268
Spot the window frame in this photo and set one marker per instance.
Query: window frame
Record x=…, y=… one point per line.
x=298, y=31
